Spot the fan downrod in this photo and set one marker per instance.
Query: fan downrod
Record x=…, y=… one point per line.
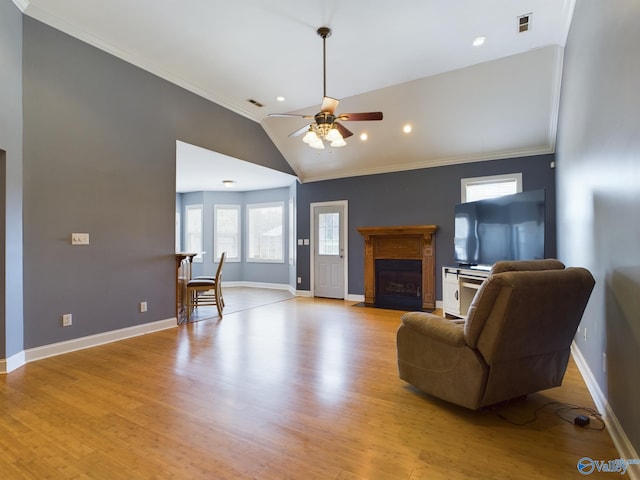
x=324, y=32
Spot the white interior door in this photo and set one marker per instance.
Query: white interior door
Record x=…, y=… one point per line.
x=329, y=251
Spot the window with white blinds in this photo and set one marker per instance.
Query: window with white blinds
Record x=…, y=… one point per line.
x=480, y=188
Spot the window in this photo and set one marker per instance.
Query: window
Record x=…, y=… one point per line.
x=265, y=225
x=329, y=233
x=226, y=232
x=479, y=188
x=178, y=233
x=193, y=234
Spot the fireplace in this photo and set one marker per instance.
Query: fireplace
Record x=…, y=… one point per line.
x=399, y=284
x=415, y=243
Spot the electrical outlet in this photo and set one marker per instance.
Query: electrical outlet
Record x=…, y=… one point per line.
x=299, y=280
x=143, y=307
x=584, y=333
x=79, y=239
x=67, y=320
x=604, y=362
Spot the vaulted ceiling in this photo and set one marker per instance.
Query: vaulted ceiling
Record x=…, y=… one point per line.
x=413, y=60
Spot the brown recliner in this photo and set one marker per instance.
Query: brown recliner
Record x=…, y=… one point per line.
x=515, y=341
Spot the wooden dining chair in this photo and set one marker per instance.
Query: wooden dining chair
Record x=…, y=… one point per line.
x=206, y=291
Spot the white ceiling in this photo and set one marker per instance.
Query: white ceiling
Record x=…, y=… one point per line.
x=412, y=59
x=199, y=169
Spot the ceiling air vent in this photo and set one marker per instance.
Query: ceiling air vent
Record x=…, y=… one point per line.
x=524, y=23
x=255, y=102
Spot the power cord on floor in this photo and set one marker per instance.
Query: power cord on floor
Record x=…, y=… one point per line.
x=575, y=414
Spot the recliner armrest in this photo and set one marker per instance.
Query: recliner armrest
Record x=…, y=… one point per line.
x=435, y=327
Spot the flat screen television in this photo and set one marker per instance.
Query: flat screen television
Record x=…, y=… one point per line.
x=504, y=228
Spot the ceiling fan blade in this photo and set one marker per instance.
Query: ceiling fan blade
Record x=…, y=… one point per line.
x=343, y=130
x=360, y=117
x=329, y=105
x=300, y=131
x=289, y=115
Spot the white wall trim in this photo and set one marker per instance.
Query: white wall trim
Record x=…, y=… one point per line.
x=303, y=293
x=352, y=297
x=43, y=15
x=431, y=163
x=22, y=4
x=619, y=437
x=59, y=348
x=10, y=364
x=272, y=286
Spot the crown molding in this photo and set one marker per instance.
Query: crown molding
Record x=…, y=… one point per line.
x=22, y=4
x=77, y=32
x=439, y=162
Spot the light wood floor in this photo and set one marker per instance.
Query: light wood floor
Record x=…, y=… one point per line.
x=297, y=389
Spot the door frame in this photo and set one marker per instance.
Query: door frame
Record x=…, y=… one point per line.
x=312, y=242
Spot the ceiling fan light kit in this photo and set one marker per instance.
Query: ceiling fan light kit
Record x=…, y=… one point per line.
x=325, y=125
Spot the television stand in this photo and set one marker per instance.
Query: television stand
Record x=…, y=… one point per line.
x=459, y=286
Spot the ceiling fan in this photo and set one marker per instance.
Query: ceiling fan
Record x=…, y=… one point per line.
x=325, y=124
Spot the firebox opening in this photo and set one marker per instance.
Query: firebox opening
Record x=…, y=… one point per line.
x=399, y=283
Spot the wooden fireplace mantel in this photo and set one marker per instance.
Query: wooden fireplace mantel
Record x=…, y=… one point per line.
x=414, y=242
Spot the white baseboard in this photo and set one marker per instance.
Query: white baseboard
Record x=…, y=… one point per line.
x=10, y=364
x=272, y=286
x=619, y=437
x=38, y=353
x=352, y=297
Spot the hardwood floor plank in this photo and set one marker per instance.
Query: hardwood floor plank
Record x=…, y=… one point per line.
x=299, y=388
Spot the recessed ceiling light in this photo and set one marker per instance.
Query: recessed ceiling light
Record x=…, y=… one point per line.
x=228, y=183
x=407, y=128
x=364, y=136
x=280, y=98
x=479, y=41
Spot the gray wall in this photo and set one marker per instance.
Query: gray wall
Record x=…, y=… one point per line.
x=99, y=157
x=416, y=197
x=598, y=178
x=243, y=271
x=11, y=313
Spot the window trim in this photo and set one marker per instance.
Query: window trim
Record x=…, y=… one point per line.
x=238, y=209
x=505, y=177
x=256, y=206
x=292, y=232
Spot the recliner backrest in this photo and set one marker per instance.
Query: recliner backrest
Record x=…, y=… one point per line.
x=527, y=313
x=485, y=299
x=526, y=265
